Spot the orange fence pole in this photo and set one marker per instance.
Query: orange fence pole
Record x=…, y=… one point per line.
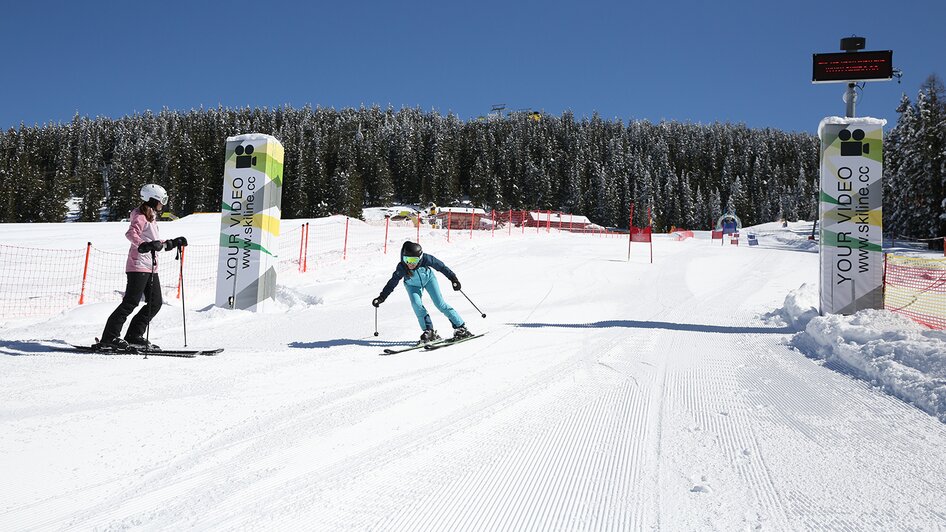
x=387, y=222
x=630, y=231
x=301, y=244
x=548, y=221
x=449, y=223
x=85, y=272
x=305, y=255
x=345, y=249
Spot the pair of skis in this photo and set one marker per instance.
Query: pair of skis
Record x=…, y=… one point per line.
x=430, y=346
x=180, y=353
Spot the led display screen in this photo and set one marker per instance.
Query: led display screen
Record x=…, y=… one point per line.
x=852, y=66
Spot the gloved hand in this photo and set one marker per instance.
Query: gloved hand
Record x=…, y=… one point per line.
x=148, y=247
x=180, y=242
x=377, y=301
x=455, y=283
x=168, y=245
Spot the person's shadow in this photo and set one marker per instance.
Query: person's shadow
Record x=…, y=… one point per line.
x=22, y=347
x=338, y=342
x=635, y=324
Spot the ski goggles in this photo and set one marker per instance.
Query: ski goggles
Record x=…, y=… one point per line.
x=412, y=261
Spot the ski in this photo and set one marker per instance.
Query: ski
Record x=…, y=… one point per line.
x=451, y=341
x=414, y=347
x=195, y=352
x=180, y=353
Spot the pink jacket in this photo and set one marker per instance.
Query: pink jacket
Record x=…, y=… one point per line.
x=141, y=230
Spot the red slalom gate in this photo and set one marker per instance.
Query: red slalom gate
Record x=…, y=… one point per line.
x=639, y=234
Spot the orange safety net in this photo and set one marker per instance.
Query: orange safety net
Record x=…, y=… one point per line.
x=916, y=288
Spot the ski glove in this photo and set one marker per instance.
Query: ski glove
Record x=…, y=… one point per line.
x=455, y=283
x=168, y=245
x=377, y=301
x=180, y=242
x=148, y=247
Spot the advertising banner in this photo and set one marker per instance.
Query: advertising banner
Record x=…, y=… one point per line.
x=851, y=220
x=249, y=227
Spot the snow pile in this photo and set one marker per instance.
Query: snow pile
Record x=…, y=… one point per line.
x=293, y=299
x=904, y=358
x=799, y=308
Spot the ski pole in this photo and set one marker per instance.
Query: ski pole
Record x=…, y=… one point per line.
x=376, y=321
x=474, y=304
x=154, y=263
x=180, y=256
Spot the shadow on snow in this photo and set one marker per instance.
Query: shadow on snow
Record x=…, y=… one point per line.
x=325, y=344
x=20, y=348
x=634, y=324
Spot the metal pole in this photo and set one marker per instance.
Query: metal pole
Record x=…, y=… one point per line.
x=154, y=264
x=482, y=314
x=376, y=321
x=850, y=97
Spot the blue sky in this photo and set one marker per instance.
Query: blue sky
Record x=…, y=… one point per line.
x=740, y=61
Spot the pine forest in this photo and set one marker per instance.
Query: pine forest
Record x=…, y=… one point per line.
x=340, y=161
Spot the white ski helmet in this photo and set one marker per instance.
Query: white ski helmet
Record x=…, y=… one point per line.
x=156, y=192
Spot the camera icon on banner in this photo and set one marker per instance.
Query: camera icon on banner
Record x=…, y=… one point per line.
x=245, y=157
x=851, y=145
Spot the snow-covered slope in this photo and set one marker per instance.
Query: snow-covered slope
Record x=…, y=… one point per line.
x=607, y=394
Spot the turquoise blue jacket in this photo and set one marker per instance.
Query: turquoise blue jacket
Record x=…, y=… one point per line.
x=420, y=279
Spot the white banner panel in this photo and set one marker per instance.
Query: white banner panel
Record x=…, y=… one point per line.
x=249, y=228
x=851, y=215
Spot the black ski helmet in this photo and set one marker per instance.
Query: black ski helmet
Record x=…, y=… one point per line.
x=411, y=249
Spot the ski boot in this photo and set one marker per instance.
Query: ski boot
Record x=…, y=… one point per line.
x=115, y=344
x=461, y=332
x=142, y=344
x=428, y=336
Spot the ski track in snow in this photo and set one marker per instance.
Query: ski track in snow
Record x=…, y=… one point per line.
x=607, y=396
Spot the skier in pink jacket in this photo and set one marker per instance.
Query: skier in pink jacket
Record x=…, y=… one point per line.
x=142, y=277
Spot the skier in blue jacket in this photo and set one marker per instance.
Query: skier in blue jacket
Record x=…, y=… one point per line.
x=417, y=270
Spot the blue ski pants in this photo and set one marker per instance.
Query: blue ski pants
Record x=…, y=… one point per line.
x=425, y=279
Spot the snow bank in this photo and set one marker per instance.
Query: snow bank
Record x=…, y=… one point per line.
x=902, y=357
x=799, y=308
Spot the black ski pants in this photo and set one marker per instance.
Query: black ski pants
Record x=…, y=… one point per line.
x=139, y=284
